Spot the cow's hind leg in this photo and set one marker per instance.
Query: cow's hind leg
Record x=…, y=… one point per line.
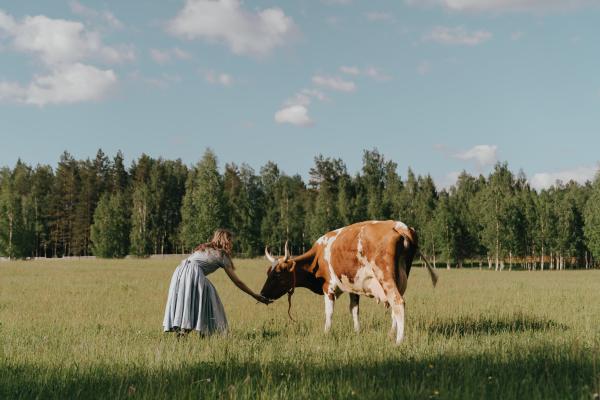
x=397, y=305
x=398, y=312
x=354, y=299
x=329, y=302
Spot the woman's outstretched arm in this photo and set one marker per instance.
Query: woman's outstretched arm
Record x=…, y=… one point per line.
x=238, y=282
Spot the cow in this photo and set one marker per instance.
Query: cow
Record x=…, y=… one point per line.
x=371, y=258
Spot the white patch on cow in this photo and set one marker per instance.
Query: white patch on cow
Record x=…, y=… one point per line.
x=328, y=312
x=398, y=315
x=354, y=309
x=400, y=225
x=327, y=242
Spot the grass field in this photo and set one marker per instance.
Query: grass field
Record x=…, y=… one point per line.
x=92, y=328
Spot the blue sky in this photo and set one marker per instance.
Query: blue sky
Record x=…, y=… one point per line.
x=438, y=85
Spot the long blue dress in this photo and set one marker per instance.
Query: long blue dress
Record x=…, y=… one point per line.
x=193, y=302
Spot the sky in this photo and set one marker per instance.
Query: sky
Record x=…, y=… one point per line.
x=438, y=85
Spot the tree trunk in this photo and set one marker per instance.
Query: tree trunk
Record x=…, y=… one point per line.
x=10, y=235
x=497, y=250
x=510, y=260
x=586, y=260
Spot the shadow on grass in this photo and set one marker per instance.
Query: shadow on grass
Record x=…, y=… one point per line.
x=542, y=373
x=464, y=326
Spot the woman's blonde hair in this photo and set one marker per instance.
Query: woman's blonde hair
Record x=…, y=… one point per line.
x=222, y=240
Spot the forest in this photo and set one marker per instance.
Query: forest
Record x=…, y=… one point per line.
x=102, y=207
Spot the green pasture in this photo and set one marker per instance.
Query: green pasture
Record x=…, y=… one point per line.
x=92, y=329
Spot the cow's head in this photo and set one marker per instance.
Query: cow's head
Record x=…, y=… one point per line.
x=280, y=275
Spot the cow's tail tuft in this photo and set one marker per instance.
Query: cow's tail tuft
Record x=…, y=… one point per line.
x=432, y=273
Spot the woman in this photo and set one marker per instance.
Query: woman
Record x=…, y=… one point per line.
x=193, y=302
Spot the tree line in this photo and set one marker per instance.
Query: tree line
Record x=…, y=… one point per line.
x=100, y=207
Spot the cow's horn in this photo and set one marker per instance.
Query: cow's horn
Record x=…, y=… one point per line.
x=268, y=255
x=287, y=252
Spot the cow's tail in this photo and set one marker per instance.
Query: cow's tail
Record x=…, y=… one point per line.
x=432, y=273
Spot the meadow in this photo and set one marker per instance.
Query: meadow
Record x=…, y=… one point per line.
x=92, y=329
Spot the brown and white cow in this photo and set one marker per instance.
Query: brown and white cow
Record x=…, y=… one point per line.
x=371, y=258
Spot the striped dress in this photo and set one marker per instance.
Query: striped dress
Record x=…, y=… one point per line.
x=193, y=302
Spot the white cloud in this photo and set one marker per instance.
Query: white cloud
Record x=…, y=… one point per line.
x=350, y=70
x=305, y=96
x=423, y=68
x=499, y=6
x=245, y=32
x=61, y=46
x=376, y=74
x=457, y=36
x=295, y=109
x=295, y=115
x=57, y=41
x=164, y=81
x=167, y=55
x=105, y=16
x=66, y=84
x=334, y=83
x=7, y=23
x=483, y=154
x=544, y=180
x=337, y=1
x=371, y=72
x=219, y=78
x=377, y=16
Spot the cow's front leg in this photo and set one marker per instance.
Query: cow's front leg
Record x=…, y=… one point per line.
x=392, y=332
x=329, y=302
x=354, y=299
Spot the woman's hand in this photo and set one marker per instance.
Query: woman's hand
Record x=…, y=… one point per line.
x=262, y=299
x=234, y=278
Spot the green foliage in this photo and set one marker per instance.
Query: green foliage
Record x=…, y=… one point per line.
x=111, y=228
x=171, y=208
x=592, y=219
x=17, y=224
x=203, y=208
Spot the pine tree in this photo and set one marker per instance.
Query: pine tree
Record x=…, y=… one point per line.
x=111, y=229
x=41, y=188
x=203, y=208
x=392, y=192
x=496, y=214
x=374, y=175
x=242, y=191
x=324, y=180
x=592, y=219
x=64, y=202
x=140, y=236
x=446, y=231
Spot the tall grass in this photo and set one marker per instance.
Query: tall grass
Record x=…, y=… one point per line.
x=92, y=329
